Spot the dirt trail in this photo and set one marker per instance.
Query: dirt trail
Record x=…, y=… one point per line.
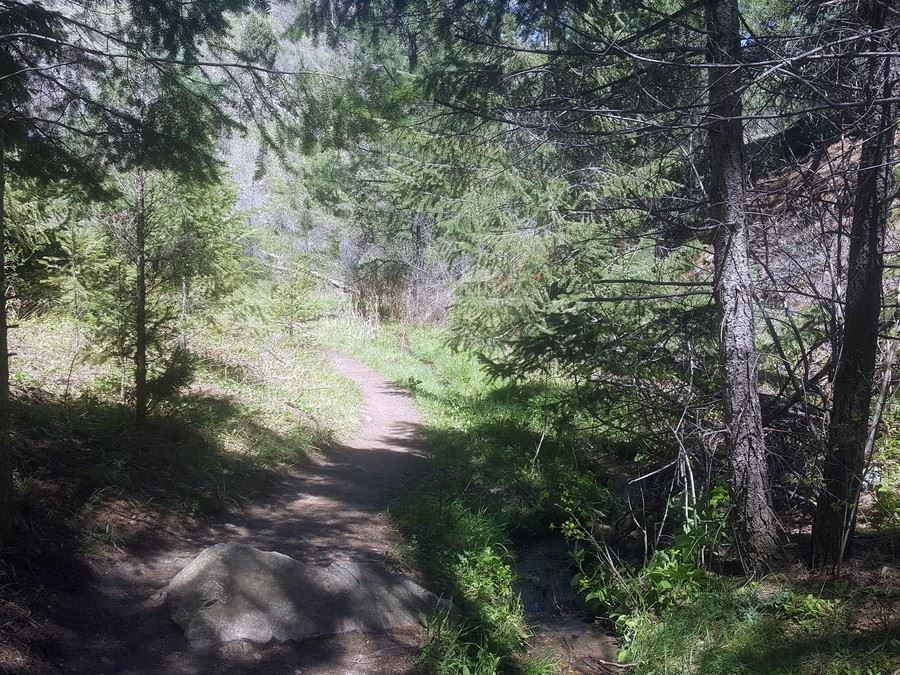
x=331, y=510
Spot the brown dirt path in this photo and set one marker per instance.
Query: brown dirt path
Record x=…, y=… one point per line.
x=333, y=509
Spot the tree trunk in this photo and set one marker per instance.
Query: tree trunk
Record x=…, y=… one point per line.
x=185, y=303
x=854, y=376
x=418, y=242
x=753, y=519
x=412, y=50
x=6, y=460
x=140, y=347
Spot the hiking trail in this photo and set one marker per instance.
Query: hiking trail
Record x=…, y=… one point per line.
x=328, y=510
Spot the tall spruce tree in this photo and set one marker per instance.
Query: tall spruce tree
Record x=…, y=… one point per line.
x=754, y=520
x=53, y=118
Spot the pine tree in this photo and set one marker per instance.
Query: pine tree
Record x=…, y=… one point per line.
x=166, y=247
x=752, y=512
x=55, y=65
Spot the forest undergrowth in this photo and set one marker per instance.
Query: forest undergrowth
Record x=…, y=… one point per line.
x=511, y=464
x=91, y=486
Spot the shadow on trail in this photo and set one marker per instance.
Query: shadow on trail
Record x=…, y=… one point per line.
x=179, y=461
x=74, y=458
x=110, y=616
x=120, y=625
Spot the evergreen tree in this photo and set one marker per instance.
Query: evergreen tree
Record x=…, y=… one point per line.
x=164, y=247
x=854, y=380
x=57, y=65
x=752, y=512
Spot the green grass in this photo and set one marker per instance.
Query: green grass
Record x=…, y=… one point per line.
x=506, y=463
x=737, y=630
x=260, y=399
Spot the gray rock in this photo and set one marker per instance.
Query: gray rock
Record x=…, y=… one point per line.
x=236, y=592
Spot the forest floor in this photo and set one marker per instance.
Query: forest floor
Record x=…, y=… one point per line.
x=107, y=614
x=449, y=479
x=332, y=508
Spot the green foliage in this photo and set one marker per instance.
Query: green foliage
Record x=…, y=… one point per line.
x=463, y=550
x=886, y=511
x=295, y=302
x=673, y=575
x=176, y=29
x=670, y=579
x=557, y=212
x=806, y=611
x=258, y=42
x=37, y=229
x=136, y=102
x=886, y=508
x=192, y=250
x=738, y=630
x=703, y=528
x=484, y=579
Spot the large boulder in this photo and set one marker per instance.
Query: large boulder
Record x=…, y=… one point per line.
x=237, y=592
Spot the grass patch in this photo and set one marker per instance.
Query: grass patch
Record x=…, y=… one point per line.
x=261, y=399
x=739, y=630
x=462, y=550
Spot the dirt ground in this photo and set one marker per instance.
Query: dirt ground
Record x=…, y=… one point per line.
x=332, y=509
x=109, y=617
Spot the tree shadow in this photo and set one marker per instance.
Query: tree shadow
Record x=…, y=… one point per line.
x=73, y=457
x=123, y=626
x=111, y=618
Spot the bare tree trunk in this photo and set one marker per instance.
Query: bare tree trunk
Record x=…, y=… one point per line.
x=140, y=355
x=6, y=460
x=418, y=242
x=854, y=377
x=185, y=303
x=753, y=519
x=418, y=256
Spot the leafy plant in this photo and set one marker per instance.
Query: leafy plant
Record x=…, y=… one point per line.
x=886, y=511
x=673, y=575
x=804, y=610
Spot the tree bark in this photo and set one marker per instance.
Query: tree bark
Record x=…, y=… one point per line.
x=418, y=242
x=185, y=304
x=140, y=347
x=753, y=520
x=6, y=460
x=848, y=428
